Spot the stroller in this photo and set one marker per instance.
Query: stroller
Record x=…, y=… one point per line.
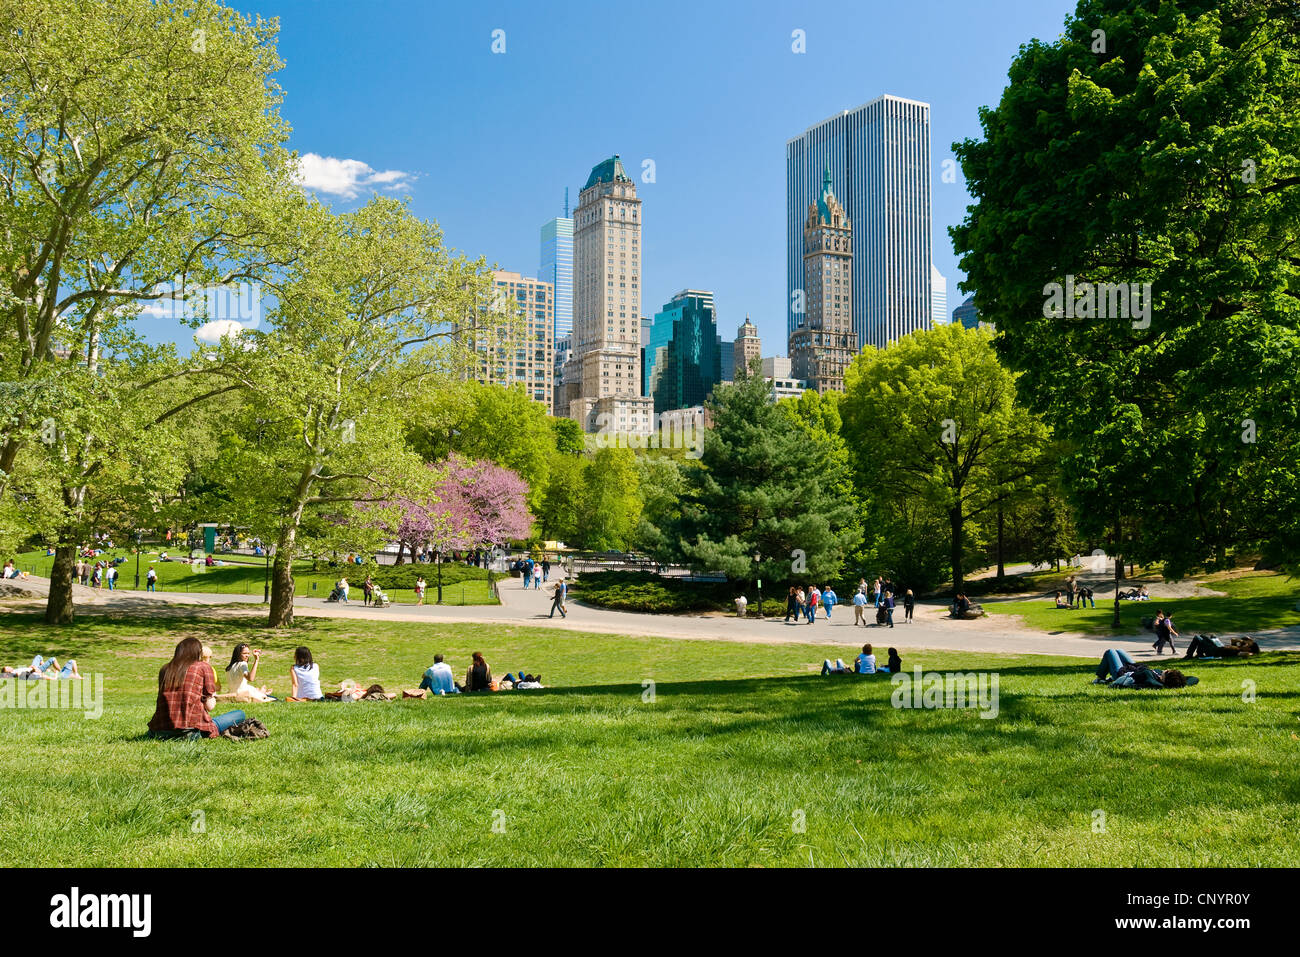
x=882, y=615
x=335, y=595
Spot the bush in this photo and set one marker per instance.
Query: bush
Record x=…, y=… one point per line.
x=1011, y=584
x=404, y=576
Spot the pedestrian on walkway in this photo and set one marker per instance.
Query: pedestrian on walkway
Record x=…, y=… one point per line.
x=419, y=590
x=829, y=600
x=814, y=599
x=537, y=576
x=558, y=600
x=909, y=605
x=860, y=606
x=546, y=569
x=889, y=608
x=151, y=579
x=791, y=605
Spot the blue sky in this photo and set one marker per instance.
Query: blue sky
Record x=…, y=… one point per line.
x=485, y=143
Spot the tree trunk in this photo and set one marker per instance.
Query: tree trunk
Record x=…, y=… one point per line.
x=1002, y=571
x=1119, y=576
x=58, y=607
x=401, y=549
x=282, y=580
x=956, y=521
x=438, y=559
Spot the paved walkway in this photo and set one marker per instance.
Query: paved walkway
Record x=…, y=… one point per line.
x=932, y=629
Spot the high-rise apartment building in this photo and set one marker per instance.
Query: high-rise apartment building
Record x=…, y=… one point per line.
x=778, y=371
x=520, y=352
x=556, y=267
x=824, y=343
x=683, y=362
x=607, y=303
x=938, y=298
x=879, y=159
x=746, y=348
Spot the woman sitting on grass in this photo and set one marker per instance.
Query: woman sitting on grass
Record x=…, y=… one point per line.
x=1118, y=670
x=479, y=676
x=304, y=677
x=240, y=677
x=895, y=663
x=1061, y=602
x=186, y=693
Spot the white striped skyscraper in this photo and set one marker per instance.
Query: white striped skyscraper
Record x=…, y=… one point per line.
x=879, y=159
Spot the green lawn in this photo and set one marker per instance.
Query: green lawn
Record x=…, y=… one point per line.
x=1255, y=602
x=740, y=744
x=245, y=575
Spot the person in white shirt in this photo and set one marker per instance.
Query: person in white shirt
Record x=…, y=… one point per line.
x=240, y=676
x=305, y=676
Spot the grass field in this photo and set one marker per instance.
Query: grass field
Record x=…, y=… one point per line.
x=245, y=575
x=1257, y=601
x=743, y=757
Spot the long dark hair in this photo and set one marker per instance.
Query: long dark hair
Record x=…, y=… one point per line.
x=172, y=675
x=478, y=659
x=302, y=656
x=236, y=658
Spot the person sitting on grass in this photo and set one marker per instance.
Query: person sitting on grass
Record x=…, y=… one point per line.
x=1060, y=602
x=439, y=678
x=865, y=664
x=895, y=663
x=479, y=675
x=187, y=691
x=1209, y=646
x=304, y=677
x=1118, y=670
x=240, y=677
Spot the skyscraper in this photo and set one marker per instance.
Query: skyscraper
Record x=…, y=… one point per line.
x=879, y=159
x=747, y=348
x=683, y=362
x=522, y=353
x=556, y=267
x=824, y=343
x=938, y=298
x=606, y=303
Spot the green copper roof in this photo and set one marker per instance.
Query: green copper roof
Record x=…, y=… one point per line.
x=823, y=210
x=609, y=171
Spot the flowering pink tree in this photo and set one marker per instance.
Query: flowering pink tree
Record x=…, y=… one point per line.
x=476, y=504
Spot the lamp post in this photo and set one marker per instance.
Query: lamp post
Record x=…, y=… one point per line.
x=266, y=582
x=758, y=571
x=139, y=536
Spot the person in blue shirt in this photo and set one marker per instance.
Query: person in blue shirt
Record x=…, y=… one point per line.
x=860, y=608
x=439, y=679
x=866, y=662
x=829, y=599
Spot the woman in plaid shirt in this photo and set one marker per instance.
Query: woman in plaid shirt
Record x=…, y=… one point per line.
x=186, y=689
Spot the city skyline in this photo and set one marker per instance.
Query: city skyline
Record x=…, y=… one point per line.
x=358, y=140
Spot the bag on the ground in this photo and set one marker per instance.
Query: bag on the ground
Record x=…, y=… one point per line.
x=248, y=728
x=377, y=693
x=415, y=693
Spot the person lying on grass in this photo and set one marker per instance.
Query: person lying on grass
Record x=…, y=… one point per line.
x=187, y=690
x=304, y=677
x=44, y=668
x=1118, y=670
x=1209, y=646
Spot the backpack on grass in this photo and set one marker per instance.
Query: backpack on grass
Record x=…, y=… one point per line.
x=248, y=728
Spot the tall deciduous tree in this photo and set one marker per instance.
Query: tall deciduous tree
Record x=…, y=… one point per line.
x=363, y=317
x=932, y=418
x=1134, y=239
x=140, y=144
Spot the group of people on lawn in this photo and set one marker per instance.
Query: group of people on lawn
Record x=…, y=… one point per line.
x=188, y=689
x=864, y=664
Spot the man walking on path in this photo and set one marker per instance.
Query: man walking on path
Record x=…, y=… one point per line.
x=151, y=579
x=546, y=569
x=561, y=593
x=860, y=606
x=829, y=599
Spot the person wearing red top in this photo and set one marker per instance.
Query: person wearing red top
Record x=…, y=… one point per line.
x=186, y=689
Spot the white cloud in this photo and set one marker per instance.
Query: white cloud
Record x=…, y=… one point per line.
x=347, y=178
x=213, y=332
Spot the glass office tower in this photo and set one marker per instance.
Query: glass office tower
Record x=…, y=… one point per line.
x=557, y=269
x=879, y=159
